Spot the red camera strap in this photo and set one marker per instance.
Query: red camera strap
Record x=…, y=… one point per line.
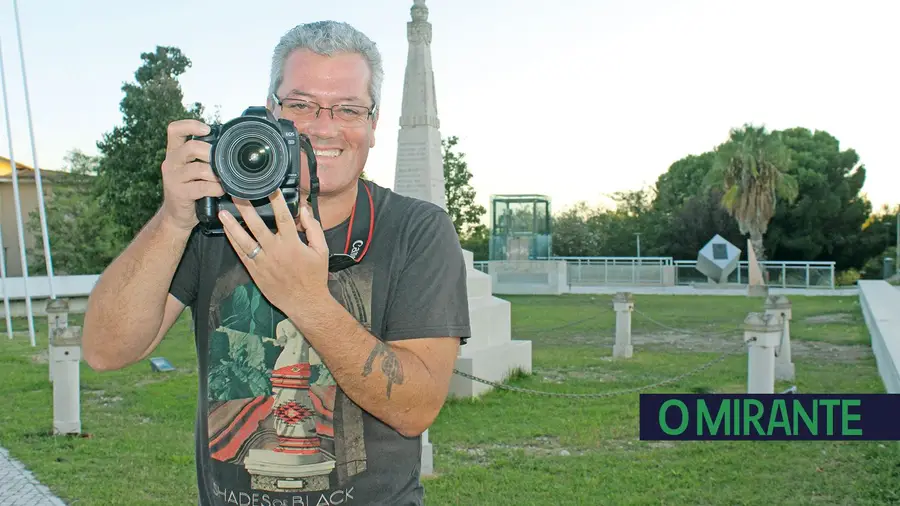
x=362, y=222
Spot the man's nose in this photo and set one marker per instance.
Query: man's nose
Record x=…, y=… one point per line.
x=323, y=125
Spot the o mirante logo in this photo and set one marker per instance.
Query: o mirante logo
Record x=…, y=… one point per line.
x=774, y=417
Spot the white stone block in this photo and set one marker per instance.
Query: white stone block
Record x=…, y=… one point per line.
x=494, y=363
x=527, y=277
x=718, y=259
x=479, y=283
x=491, y=321
x=879, y=301
x=427, y=456
x=469, y=259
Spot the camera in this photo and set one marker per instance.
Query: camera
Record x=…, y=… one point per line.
x=254, y=155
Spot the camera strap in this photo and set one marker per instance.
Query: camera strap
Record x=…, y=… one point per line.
x=359, y=230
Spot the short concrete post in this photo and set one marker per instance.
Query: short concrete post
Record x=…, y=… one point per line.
x=427, y=456
x=762, y=334
x=780, y=307
x=65, y=359
x=623, y=303
x=57, y=319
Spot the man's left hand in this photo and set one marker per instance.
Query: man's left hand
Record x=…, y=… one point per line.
x=287, y=272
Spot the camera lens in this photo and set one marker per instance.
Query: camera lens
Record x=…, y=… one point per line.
x=251, y=159
x=253, y=156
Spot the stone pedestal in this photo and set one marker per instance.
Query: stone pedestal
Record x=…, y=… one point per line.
x=65, y=361
x=780, y=308
x=762, y=333
x=57, y=319
x=490, y=353
x=623, y=304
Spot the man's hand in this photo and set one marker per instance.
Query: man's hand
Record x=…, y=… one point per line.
x=186, y=174
x=288, y=272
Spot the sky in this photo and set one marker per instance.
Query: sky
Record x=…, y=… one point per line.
x=574, y=99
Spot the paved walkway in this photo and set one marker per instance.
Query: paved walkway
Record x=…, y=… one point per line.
x=19, y=488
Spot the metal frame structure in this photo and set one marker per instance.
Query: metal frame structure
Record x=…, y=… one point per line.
x=537, y=233
x=16, y=197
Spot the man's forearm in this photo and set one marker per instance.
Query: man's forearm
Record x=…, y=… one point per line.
x=126, y=306
x=392, y=384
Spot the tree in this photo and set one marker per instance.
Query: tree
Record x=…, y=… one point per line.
x=129, y=179
x=751, y=169
x=461, y=206
x=679, y=183
x=824, y=223
x=84, y=238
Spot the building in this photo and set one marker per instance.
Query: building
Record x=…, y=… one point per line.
x=29, y=201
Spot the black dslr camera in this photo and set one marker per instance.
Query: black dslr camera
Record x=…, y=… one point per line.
x=253, y=155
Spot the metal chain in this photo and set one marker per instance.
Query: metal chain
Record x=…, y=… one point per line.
x=682, y=331
x=612, y=393
x=570, y=324
x=604, y=394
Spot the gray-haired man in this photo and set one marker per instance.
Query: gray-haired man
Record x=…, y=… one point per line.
x=315, y=383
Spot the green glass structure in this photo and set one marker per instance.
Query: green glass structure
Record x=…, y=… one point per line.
x=520, y=227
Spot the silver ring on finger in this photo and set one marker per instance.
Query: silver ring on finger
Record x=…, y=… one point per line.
x=255, y=252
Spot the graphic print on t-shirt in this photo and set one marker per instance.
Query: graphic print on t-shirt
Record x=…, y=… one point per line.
x=274, y=408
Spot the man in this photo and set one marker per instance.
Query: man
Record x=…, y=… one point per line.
x=315, y=383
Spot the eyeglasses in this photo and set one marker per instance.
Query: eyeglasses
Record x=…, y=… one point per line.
x=304, y=110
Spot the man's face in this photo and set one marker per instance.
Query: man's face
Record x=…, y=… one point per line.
x=341, y=148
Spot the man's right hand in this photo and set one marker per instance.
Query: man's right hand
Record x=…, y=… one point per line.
x=186, y=174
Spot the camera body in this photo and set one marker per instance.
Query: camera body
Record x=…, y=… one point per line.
x=254, y=155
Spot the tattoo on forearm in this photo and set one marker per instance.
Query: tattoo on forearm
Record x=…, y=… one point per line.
x=390, y=365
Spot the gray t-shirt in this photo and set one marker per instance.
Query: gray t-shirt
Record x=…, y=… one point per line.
x=273, y=427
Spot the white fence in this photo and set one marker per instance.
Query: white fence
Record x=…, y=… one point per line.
x=665, y=271
x=785, y=274
x=74, y=288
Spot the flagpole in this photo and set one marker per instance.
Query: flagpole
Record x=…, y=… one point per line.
x=48, y=259
x=3, y=286
x=15, y=180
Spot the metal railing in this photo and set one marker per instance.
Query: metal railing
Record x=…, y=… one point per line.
x=665, y=271
x=781, y=274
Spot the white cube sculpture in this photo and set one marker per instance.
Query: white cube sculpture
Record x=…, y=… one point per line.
x=718, y=259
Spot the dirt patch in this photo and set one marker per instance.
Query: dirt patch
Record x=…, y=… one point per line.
x=549, y=446
x=562, y=376
x=830, y=318
x=41, y=358
x=841, y=353
x=815, y=350
x=712, y=342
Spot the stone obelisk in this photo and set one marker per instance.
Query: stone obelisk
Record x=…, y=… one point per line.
x=490, y=353
x=420, y=168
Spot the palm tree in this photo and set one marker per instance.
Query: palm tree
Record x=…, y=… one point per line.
x=751, y=168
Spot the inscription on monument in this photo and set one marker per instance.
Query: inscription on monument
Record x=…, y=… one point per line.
x=412, y=169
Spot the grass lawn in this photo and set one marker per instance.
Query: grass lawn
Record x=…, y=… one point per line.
x=507, y=447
